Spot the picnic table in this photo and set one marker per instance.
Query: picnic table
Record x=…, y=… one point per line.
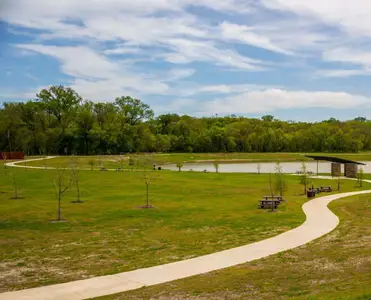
x=279, y=198
x=315, y=190
x=269, y=203
x=326, y=189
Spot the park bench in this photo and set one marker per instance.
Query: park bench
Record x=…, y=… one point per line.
x=267, y=204
x=103, y=169
x=119, y=170
x=278, y=198
x=326, y=189
x=315, y=190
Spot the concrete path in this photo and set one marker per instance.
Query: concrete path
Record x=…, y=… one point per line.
x=16, y=163
x=320, y=221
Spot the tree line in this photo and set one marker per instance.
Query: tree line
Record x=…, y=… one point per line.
x=60, y=121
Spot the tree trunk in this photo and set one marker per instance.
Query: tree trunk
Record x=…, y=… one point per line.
x=78, y=191
x=147, y=195
x=59, y=207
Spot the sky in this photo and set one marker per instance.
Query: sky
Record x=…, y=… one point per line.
x=295, y=59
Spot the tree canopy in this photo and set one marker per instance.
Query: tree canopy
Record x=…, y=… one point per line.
x=60, y=118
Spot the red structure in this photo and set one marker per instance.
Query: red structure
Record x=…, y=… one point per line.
x=11, y=155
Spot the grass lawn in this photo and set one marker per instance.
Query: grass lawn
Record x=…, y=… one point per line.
x=337, y=266
x=115, y=161
x=196, y=214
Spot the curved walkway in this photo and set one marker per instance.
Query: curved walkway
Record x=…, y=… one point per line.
x=319, y=221
x=16, y=163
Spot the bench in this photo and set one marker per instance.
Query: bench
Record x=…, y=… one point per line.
x=326, y=189
x=315, y=190
x=302, y=173
x=119, y=170
x=103, y=169
x=278, y=198
x=266, y=204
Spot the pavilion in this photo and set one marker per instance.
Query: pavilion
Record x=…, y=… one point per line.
x=350, y=166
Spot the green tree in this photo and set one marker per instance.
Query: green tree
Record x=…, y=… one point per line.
x=179, y=165
x=133, y=110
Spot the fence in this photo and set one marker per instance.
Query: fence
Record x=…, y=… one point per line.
x=11, y=155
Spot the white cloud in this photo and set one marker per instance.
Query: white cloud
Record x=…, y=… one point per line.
x=342, y=73
x=185, y=51
x=273, y=99
x=123, y=50
x=351, y=16
x=95, y=76
x=346, y=55
x=247, y=35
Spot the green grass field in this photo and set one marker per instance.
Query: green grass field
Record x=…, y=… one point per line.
x=116, y=161
x=196, y=214
x=337, y=266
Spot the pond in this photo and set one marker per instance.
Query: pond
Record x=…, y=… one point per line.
x=267, y=167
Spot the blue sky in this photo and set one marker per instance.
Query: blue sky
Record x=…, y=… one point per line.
x=295, y=59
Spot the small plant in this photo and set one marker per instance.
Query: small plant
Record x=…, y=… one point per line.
x=216, y=166
x=360, y=176
x=91, y=164
x=179, y=165
x=259, y=167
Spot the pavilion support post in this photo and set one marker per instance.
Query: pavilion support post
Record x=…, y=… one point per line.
x=317, y=168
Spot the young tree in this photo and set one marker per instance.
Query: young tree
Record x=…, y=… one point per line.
x=5, y=166
x=131, y=163
x=75, y=179
x=149, y=179
x=179, y=165
x=271, y=191
x=45, y=164
x=304, y=178
x=60, y=186
x=259, y=168
x=360, y=176
x=92, y=164
x=216, y=166
x=99, y=162
x=15, y=187
x=280, y=182
x=121, y=161
x=339, y=183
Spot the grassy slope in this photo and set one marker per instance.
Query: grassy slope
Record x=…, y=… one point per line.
x=113, y=161
x=337, y=266
x=197, y=213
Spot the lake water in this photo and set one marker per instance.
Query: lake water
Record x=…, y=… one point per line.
x=287, y=167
